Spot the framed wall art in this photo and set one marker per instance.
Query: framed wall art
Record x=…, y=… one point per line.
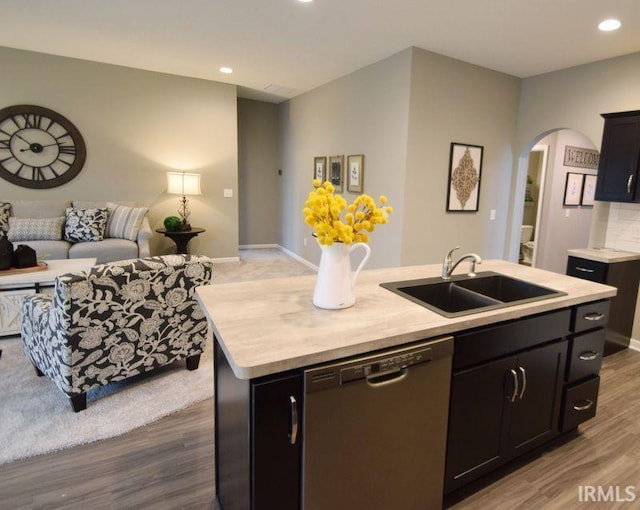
x=355, y=173
x=588, y=190
x=465, y=169
x=320, y=168
x=335, y=172
x=573, y=189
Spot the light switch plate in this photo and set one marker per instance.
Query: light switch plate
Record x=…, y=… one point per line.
x=228, y=193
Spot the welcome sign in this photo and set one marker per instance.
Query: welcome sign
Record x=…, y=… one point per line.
x=581, y=157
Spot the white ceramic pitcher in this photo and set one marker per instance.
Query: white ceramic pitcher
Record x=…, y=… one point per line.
x=335, y=282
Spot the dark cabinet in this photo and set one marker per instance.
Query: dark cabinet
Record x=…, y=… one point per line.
x=502, y=408
x=257, y=444
x=617, y=315
x=619, y=158
x=275, y=431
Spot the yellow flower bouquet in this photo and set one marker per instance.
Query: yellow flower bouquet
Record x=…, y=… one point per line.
x=323, y=212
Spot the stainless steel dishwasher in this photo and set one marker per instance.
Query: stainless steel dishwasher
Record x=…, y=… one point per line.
x=375, y=430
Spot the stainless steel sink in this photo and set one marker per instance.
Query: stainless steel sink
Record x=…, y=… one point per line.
x=463, y=295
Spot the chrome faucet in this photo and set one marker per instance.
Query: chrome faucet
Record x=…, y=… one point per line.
x=448, y=266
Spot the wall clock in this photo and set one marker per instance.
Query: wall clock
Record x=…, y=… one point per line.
x=39, y=148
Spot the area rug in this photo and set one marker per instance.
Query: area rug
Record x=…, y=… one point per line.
x=36, y=418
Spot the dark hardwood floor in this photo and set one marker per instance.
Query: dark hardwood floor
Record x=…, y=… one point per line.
x=169, y=464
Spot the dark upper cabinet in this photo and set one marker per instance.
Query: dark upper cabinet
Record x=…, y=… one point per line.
x=619, y=158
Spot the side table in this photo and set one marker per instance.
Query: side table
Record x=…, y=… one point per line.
x=181, y=237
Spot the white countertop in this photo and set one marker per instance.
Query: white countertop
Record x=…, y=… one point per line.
x=607, y=255
x=270, y=326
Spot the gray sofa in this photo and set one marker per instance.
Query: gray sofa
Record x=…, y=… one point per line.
x=108, y=249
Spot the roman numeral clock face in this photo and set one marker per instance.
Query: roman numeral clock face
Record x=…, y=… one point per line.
x=39, y=148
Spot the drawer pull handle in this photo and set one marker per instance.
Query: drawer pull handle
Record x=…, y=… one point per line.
x=585, y=270
x=594, y=316
x=629, y=183
x=293, y=432
x=515, y=385
x=579, y=406
x=524, y=382
x=589, y=355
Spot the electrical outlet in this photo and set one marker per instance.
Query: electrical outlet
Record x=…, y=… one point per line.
x=304, y=241
x=492, y=214
x=228, y=193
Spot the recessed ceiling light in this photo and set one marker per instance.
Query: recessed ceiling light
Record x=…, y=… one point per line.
x=609, y=24
x=226, y=70
x=305, y=1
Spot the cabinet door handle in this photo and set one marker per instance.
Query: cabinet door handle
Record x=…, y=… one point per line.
x=524, y=382
x=588, y=355
x=293, y=433
x=585, y=270
x=629, y=183
x=593, y=316
x=514, y=376
x=579, y=406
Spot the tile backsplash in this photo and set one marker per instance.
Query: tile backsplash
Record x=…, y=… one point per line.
x=623, y=227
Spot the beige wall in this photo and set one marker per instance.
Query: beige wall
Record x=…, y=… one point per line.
x=452, y=101
x=137, y=125
x=258, y=179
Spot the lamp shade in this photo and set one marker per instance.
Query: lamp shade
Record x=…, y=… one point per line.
x=182, y=183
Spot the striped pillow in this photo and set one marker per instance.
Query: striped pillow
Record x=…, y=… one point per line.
x=124, y=222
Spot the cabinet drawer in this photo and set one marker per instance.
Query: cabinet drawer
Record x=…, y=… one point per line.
x=492, y=342
x=585, y=357
x=587, y=269
x=580, y=402
x=590, y=315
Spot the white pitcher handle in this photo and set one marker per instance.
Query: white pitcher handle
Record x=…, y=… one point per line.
x=367, y=254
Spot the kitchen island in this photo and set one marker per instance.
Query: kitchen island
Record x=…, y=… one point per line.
x=268, y=331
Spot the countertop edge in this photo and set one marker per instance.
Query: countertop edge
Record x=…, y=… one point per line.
x=426, y=324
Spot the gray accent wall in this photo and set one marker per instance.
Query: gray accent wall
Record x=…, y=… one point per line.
x=452, y=101
x=137, y=125
x=365, y=112
x=258, y=178
x=403, y=113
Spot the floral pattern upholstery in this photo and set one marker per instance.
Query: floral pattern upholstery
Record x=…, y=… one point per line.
x=117, y=320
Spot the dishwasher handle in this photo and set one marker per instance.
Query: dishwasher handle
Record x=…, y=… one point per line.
x=387, y=378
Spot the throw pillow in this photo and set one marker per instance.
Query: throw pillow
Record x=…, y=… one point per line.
x=124, y=222
x=5, y=211
x=84, y=225
x=35, y=229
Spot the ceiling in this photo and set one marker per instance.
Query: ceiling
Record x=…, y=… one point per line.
x=281, y=48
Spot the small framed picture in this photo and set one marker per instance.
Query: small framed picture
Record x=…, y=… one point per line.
x=573, y=189
x=355, y=173
x=589, y=190
x=465, y=170
x=320, y=168
x=335, y=172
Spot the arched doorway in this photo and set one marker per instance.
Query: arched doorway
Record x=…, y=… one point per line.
x=555, y=224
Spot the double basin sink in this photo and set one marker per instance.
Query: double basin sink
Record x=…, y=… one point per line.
x=464, y=295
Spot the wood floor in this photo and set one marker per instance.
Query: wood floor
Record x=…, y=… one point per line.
x=169, y=464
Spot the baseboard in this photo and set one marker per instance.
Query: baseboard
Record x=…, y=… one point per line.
x=298, y=258
x=220, y=260
x=634, y=344
x=257, y=246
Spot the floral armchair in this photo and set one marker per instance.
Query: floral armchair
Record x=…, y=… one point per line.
x=115, y=321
